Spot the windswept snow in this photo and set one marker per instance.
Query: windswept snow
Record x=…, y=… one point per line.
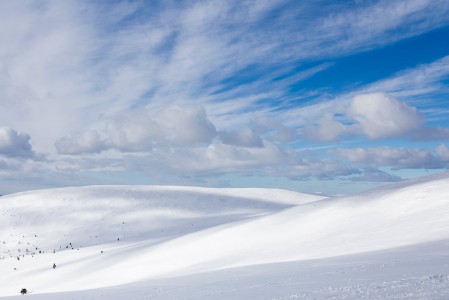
x=181, y=239
x=414, y=272
x=95, y=215
x=71, y=226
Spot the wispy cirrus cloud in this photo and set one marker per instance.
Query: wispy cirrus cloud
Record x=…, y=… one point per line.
x=204, y=87
x=422, y=87
x=85, y=57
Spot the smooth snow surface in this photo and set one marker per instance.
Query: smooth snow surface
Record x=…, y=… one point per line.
x=416, y=272
x=196, y=243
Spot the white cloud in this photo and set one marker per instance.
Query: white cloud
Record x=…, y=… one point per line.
x=93, y=77
x=186, y=125
x=397, y=158
x=377, y=23
x=376, y=116
x=203, y=163
x=327, y=129
x=375, y=175
x=84, y=65
x=15, y=144
x=417, y=82
x=421, y=87
x=244, y=137
x=141, y=131
x=273, y=130
x=223, y=158
x=381, y=116
x=442, y=152
x=88, y=142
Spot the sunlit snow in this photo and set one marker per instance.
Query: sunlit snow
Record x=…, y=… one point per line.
x=154, y=242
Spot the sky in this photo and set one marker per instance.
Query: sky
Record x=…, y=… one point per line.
x=330, y=97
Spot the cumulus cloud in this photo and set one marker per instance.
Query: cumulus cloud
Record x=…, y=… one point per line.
x=174, y=52
x=244, y=137
x=87, y=142
x=195, y=53
x=327, y=129
x=136, y=131
x=219, y=159
x=273, y=130
x=15, y=144
x=186, y=125
x=376, y=116
x=381, y=116
x=180, y=125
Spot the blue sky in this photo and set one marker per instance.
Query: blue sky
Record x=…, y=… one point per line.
x=316, y=96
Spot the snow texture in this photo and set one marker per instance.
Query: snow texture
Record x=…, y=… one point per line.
x=144, y=242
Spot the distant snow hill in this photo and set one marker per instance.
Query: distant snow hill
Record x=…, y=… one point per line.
x=104, y=236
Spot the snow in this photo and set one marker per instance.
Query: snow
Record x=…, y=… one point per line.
x=151, y=242
x=414, y=272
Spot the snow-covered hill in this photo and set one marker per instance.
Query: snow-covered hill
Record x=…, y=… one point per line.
x=136, y=236
x=86, y=216
x=102, y=228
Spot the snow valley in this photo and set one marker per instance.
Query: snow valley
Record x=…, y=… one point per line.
x=155, y=242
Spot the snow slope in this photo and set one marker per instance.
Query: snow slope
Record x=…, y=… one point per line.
x=95, y=215
x=414, y=272
x=167, y=232
x=71, y=226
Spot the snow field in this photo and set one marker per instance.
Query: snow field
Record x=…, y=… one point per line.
x=149, y=234
x=72, y=226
